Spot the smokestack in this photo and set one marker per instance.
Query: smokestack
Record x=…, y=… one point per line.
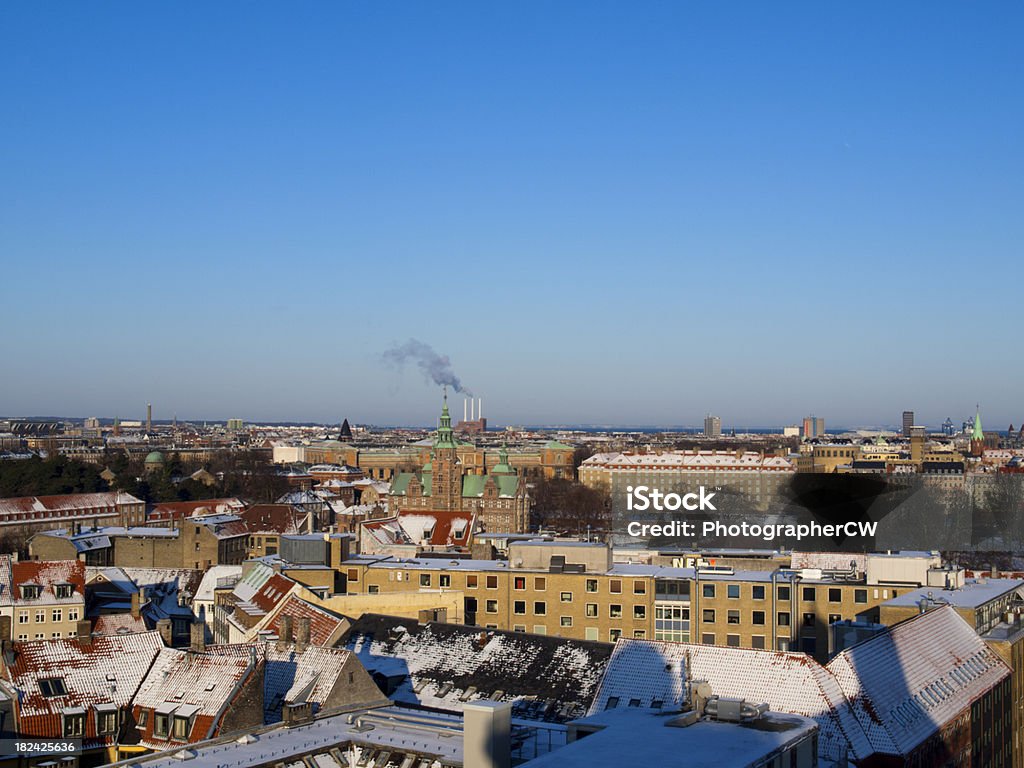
x=480, y=409
x=465, y=406
x=472, y=409
x=487, y=734
x=149, y=417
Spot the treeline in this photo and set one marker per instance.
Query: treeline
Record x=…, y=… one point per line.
x=49, y=477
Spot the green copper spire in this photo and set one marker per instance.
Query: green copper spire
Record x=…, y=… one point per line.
x=445, y=437
x=977, y=434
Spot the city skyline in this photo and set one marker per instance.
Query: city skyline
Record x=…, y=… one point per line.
x=600, y=214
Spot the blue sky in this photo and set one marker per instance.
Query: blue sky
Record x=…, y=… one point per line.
x=602, y=212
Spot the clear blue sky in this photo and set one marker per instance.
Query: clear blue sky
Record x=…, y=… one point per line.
x=602, y=212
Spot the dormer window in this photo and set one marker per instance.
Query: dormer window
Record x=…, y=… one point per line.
x=64, y=591
x=30, y=591
x=74, y=722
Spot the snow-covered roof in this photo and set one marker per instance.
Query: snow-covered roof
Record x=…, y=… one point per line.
x=909, y=682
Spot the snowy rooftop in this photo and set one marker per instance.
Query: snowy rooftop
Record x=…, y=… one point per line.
x=974, y=593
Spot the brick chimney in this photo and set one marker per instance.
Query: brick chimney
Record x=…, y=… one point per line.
x=285, y=633
x=136, y=604
x=6, y=633
x=84, y=631
x=302, y=632
x=198, y=636
x=164, y=628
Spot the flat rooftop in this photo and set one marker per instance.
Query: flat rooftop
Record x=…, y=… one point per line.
x=973, y=594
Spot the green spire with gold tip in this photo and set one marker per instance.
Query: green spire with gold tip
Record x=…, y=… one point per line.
x=977, y=434
x=445, y=436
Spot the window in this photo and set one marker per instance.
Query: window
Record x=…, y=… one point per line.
x=161, y=723
x=708, y=590
x=72, y=614
x=707, y=639
x=732, y=640
x=180, y=728
x=757, y=591
x=733, y=617
x=565, y=597
x=53, y=686
x=519, y=583
x=614, y=634
x=590, y=633
x=540, y=583
x=615, y=611
x=40, y=617
x=808, y=619
x=471, y=581
x=57, y=615
x=860, y=595
x=639, y=611
x=23, y=617
x=373, y=589
x=613, y=702
x=809, y=594
x=74, y=725
x=540, y=608
x=492, y=606
x=540, y=629
x=708, y=616
x=757, y=641
x=835, y=595
x=639, y=634
x=591, y=610
x=30, y=591
x=783, y=593
x=833, y=618
x=444, y=580
x=591, y=585
x=565, y=621
x=757, y=617
x=106, y=722
x=492, y=582
x=424, y=579
x=615, y=586
x=143, y=718
x=519, y=607
x=733, y=591
x=639, y=587
x=783, y=619
x=353, y=574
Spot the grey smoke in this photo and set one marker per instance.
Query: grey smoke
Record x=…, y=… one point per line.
x=436, y=367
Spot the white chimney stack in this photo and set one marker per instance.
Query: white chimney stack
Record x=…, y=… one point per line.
x=487, y=734
x=480, y=409
x=463, y=409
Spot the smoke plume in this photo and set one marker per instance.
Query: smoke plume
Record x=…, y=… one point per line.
x=436, y=367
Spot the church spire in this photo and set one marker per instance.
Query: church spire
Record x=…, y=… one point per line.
x=977, y=434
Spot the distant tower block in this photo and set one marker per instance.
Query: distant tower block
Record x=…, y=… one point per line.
x=149, y=417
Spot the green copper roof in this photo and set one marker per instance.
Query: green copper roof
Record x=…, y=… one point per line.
x=554, y=445
x=977, y=434
x=502, y=467
x=473, y=485
x=445, y=437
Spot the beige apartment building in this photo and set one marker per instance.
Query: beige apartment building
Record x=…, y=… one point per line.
x=41, y=600
x=574, y=590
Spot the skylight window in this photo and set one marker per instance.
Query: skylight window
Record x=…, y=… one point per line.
x=53, y=686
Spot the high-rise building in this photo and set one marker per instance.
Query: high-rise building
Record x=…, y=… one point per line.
x=908, y=422
x=712, y=426
x=814, y=426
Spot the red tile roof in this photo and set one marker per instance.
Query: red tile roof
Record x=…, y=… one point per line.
x=47, y=574
x=106, y=671
x=324, y=627
x=279, y=518
x=177, y=510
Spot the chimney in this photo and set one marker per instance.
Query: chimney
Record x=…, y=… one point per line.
x=198, y=636
x=137, y=603
x=465, y=405
x=302, y=632
x=6, y=633
x=84, y=631
x=164, y=628
x=487, y=734
x=285, y=631
x=480, y=409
